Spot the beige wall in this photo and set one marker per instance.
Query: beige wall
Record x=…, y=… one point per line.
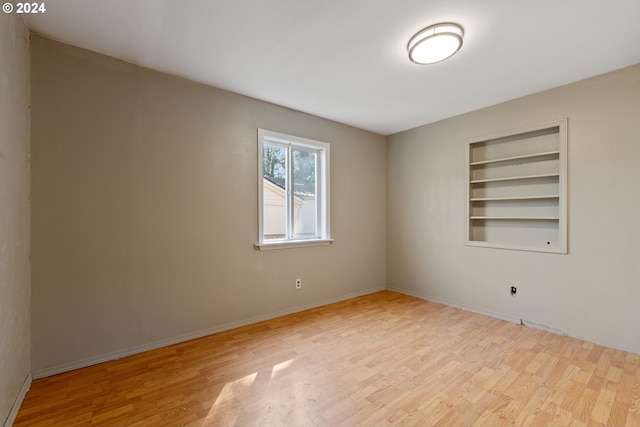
x=593, y=292
x=144, y=194
x=15, y=336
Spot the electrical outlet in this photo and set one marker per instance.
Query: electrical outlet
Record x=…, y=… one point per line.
x=298, y=283
x=513, y=290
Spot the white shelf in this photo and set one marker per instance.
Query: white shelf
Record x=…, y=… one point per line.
x=514, y=178
x=522, y=157
x=507, y=199
x=516, y=218
x=516, y=191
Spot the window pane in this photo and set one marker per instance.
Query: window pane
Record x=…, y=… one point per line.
x=305, y=211
x=274, y=192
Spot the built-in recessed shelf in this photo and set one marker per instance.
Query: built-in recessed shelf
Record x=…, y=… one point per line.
x=516, y=196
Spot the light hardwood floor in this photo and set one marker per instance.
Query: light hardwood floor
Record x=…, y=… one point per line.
x=381, y=359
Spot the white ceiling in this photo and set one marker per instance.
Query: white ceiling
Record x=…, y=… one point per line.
x=346, y=60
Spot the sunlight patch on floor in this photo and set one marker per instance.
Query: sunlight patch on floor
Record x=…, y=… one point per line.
x=280, y=367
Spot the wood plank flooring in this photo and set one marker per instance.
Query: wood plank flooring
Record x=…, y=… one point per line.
x=382, y=359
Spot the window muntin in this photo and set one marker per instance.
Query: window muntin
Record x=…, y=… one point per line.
x=293, y=188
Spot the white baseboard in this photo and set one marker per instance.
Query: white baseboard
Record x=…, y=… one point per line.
x=13, y=413
x=456, y=305
x=523, y=322
x=65, y=367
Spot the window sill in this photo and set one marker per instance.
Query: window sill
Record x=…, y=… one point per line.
x=292, y=244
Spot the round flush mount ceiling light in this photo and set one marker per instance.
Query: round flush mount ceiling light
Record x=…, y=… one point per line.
x=435, y=43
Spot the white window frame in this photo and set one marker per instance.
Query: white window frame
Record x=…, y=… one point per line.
x=322, y=197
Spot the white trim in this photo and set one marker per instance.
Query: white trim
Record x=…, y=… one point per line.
x=285, y=244
x=510, y=319
x=563, y=205
x=13, y=413
x=284, y=139
x=65, y=367
x=453, y=304
x=543, y=327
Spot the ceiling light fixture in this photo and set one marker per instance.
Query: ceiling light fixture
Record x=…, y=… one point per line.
x=435, y=43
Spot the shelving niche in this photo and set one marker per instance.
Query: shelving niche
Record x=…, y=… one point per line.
x=517, y=187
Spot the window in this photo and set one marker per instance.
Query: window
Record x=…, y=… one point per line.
x=293, y=191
